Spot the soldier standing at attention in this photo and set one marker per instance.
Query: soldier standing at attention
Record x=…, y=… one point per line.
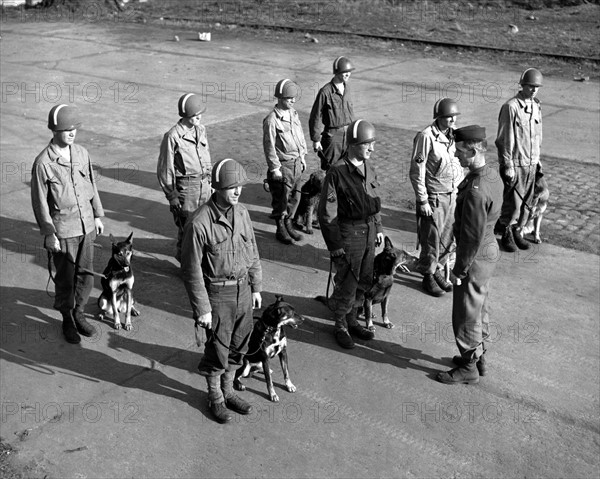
x=331, y=114
x=184, y=165
x=349, y=215
x=435, y=173
x=519, y=143
x=478, y=207
x=285, y=150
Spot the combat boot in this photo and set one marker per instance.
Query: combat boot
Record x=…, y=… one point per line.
x=282, y=234
x=290, y=229
x=441, y=281
x=232, y=401
x=521, y=242
x=356, y=329
x=481, y=363
x=341, y=334
x=465, y=374
x=83, y=327
x=431, y=286
x=69, y=329
x=216, y=402
x=508, y=240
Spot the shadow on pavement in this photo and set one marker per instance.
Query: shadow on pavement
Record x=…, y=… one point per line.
x=34, y=340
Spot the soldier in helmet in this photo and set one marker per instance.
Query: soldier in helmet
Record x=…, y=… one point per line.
x=519, y=143
x=67, y=209
x=477, y=210
x=223, y=278
x=331, y=114
x=184, y=164
x=435, y=174
x=349, y=215
x=285, y=150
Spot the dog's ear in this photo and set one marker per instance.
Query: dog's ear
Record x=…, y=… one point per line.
x=387, y=243
x=112, y=239
x=128, y=240
x=278, y=299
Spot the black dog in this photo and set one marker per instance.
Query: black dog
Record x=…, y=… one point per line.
x=117, y=284
x=267, y=341
x=384, y=267
x=309, y=202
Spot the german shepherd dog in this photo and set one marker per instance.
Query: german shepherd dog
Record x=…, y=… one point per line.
x=309, y=202
x=539, y=203
x=384, y=267
x=267, y=341
x=117, y=284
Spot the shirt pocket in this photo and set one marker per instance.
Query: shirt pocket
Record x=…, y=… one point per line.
x=85, y=183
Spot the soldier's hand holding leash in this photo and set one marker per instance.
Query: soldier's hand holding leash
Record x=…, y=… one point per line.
x=425, y=210
x=204, y=322
x=51, y=243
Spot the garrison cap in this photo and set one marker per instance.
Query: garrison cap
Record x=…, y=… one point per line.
x=469, y=133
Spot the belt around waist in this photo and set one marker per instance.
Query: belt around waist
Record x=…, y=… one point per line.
x=358, y=222
x=336, y=127
x=229, y=282
x=193, y=177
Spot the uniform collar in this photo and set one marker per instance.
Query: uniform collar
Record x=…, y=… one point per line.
x=218, y=214
x=522, y=102
x=355, y=169
x=190, y=134
x=280, y=113
x=440, y=136
x=54, y=155
x=336, y=89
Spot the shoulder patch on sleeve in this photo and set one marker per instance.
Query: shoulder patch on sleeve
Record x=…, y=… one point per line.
x=420, y=158
x=331, y=197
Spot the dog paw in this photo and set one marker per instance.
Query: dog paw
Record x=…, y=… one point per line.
x=309, y=232
x=290, y=387
x=537, y=240
x=274, y=397
x=128, y=327
x=239, y=386
x=117, y=325
x=388, y=324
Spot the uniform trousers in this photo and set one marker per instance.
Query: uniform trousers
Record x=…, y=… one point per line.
x=285, y=192
x=73, y=287
x=333, y=142
x=471, y=309
x=354, y=270
x=232, y=324
x=193, y=191
x=517, y=194
x=435, y=233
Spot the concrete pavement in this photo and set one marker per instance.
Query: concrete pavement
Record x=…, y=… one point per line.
x=130, y=404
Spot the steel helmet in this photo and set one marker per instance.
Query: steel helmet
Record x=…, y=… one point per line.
x=286, y=89
x=531, y=76
x=445, y=107
x=342, y=65
x=63, y=117
x=360, y=131
x=228, y=173
x=190, y=105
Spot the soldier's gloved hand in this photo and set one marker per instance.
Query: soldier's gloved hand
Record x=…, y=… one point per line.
x=99, y=226
x=256, y=300
x=51, y=243
x=204, y=321
x=317, y=146
x=276, y=175
x=175, y=206
x=425, y=210
x=509, y=172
